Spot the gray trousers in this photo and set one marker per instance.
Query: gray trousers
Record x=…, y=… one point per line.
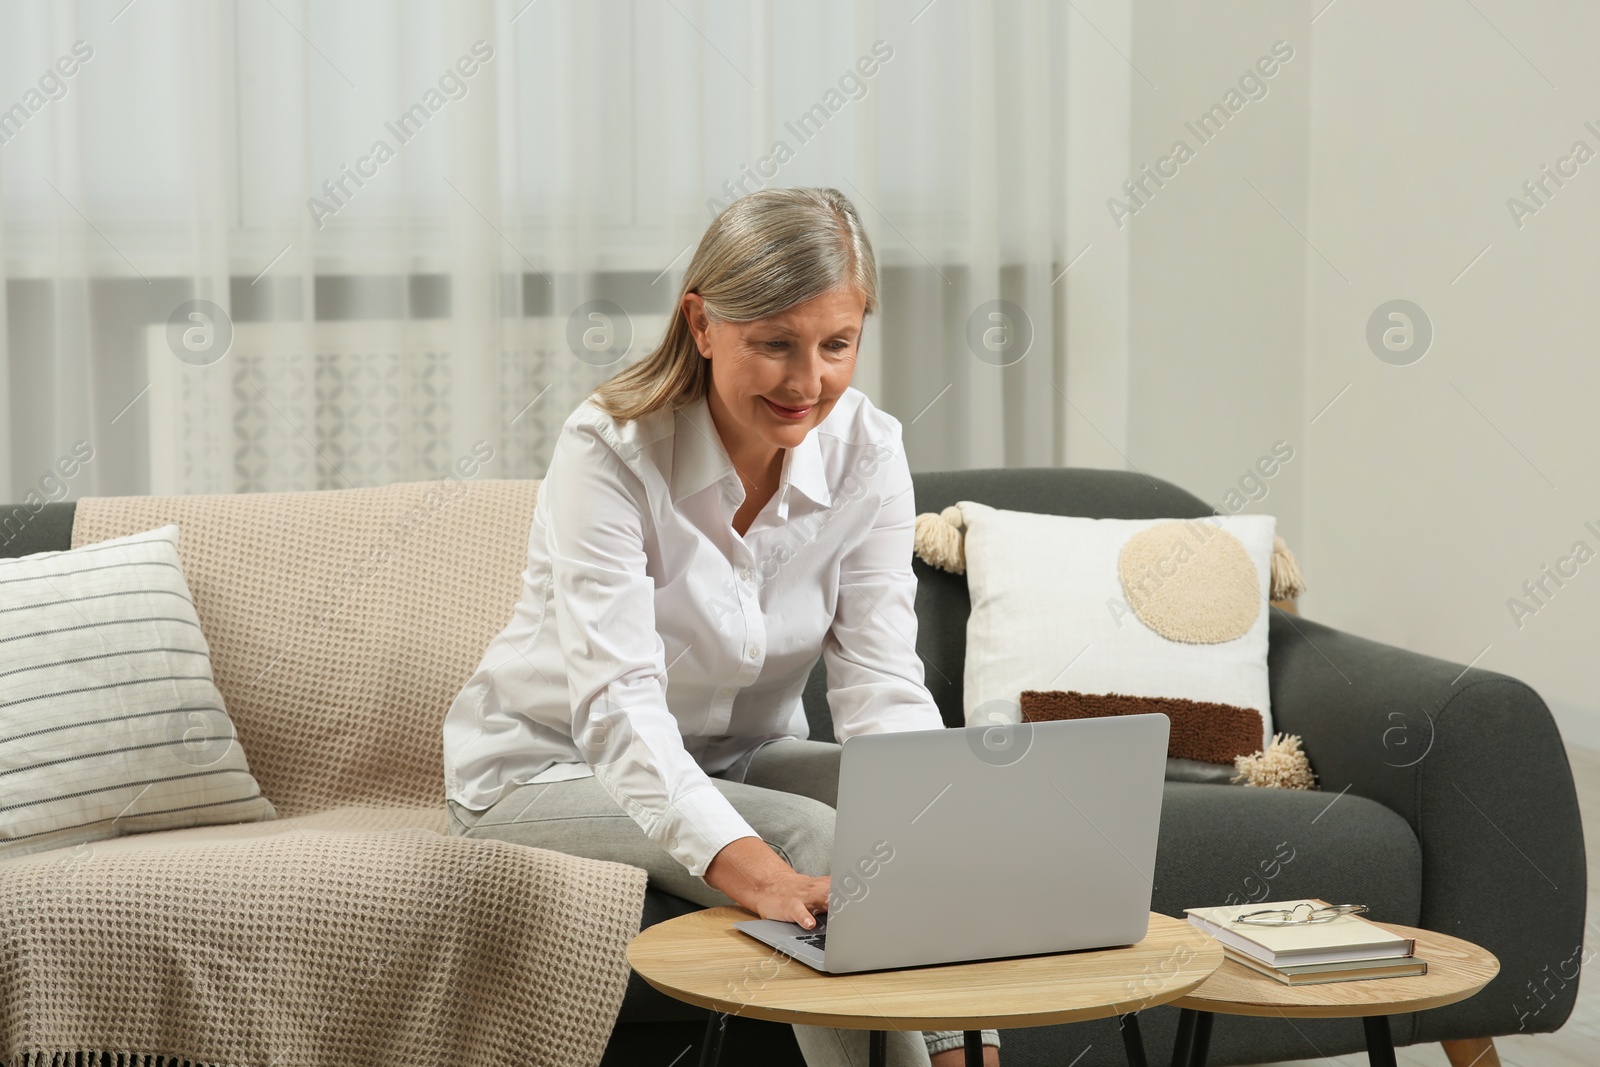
x=787, y=797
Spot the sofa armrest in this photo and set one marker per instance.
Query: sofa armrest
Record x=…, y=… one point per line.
x=1474, y=762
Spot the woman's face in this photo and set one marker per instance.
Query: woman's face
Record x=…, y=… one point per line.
x=774, y=379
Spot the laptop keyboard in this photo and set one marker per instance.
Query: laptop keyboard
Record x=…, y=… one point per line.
x=817, y=941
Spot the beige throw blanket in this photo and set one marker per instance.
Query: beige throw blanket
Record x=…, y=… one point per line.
x=352, y=930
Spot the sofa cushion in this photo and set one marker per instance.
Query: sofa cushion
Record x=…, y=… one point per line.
x=1223, y=845
x=942, y=601
x=1136, y=608
x=111, y=721
x=943, y=604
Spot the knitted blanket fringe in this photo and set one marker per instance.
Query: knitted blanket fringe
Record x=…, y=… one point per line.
x=100, y=1058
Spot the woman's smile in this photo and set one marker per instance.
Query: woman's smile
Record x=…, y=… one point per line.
x=787, y=412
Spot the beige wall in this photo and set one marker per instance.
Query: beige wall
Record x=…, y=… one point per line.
x=1217, y=280
x=1436, y=489
x=1423, y=498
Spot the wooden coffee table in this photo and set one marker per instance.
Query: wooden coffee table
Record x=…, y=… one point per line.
x=701, y=959
x=1456, y=970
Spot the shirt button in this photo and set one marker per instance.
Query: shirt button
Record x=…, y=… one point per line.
x=755, y=651
x=724, y=691
x=744, y=573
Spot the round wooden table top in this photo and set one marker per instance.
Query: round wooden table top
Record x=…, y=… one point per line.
x=701, y=959
x=1456, y=970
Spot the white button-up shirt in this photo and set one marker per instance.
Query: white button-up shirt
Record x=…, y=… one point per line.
x=654, y=646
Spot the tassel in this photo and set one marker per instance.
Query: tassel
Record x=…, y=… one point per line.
x=1281, y=766
x=939, y=539
x=1287, y=581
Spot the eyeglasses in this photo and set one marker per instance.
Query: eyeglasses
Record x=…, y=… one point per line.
x=1299, y=915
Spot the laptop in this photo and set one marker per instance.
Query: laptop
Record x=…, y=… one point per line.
x=984, y=842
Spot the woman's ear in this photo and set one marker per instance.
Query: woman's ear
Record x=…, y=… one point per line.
x=694, y=313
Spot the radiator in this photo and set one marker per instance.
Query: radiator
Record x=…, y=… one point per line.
x=324, y=405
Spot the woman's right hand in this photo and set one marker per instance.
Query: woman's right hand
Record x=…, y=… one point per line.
x=758, y=880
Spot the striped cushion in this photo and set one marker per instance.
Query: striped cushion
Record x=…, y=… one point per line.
x=110, y=722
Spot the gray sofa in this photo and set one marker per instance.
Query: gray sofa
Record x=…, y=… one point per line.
x=1479, y=838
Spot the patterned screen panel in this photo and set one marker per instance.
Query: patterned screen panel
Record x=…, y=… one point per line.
x=331, y=405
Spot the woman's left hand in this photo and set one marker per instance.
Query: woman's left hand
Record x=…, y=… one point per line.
x=758, y=880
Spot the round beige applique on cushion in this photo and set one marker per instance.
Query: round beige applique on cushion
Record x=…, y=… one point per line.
x=1190, y=581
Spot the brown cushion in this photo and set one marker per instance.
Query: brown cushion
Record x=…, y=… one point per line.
x=1211, y=733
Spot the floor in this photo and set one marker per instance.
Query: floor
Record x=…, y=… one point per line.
x=1577, y=1044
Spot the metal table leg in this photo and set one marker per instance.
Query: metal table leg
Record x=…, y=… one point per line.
x=1193, y=1040
x=1183, y=1041
x=877, y=1048
x=1380, y=1044
x=1132, y=1039
x=711, y=1047
x=972, y=1043
x=1202, y=1039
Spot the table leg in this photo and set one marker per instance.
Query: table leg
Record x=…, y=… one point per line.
x=1132, y=1040
x=972, y=1042
x=1202, y=1039
x=1380, y=1044
x=711, y=1047
x=877, y=1048
x=1183, y=1041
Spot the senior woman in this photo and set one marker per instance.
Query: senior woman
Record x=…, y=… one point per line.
x=713, y=517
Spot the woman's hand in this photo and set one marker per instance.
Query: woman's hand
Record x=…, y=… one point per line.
x=757, y=879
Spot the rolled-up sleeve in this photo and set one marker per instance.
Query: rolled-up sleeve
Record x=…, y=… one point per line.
x=596, y=515
x=875, y=676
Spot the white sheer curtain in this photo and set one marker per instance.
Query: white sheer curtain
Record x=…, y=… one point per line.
x=406, y=213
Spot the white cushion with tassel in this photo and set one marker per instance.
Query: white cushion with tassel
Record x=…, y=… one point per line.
x=1142, y=608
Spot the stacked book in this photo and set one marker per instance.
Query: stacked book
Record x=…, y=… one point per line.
x=1343, y=949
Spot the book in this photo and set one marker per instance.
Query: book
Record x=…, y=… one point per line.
x=1343, y=971
x=1346, y=938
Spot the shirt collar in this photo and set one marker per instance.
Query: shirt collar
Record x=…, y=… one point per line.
x=803, y=472
x=699, y=460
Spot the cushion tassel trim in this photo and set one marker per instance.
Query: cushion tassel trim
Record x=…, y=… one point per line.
x=939, y=539
x=1287, y=581
x=1281, y=766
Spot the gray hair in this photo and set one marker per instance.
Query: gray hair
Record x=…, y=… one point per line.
x=763, y=254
